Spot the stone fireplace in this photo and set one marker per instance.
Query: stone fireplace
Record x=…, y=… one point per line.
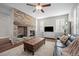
x=32, y=32
x=24, y=24
x=22, y=31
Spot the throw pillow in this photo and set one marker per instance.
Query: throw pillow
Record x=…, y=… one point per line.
x=64, y=39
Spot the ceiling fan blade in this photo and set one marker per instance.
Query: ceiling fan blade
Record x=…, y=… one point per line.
x=30, y=4
x=34, y=10
x=38, y=3
x=46, y=5
x=42, y=10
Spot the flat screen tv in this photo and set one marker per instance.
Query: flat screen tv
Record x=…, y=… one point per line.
x=48, y=29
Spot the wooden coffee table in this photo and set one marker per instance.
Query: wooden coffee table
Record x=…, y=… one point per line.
x=33, y=44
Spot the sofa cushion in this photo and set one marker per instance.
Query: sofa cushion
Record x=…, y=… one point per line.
x=8, y=46
x=68, y=42
x=5, y=47
x=59, y=51
x=4, y=41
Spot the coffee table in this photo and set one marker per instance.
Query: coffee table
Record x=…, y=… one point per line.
x=33, y=44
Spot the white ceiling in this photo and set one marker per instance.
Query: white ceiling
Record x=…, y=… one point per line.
x=54, y=10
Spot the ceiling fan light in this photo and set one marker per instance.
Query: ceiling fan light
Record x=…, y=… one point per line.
x=38, y=7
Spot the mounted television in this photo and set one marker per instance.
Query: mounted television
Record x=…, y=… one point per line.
x=48, y=29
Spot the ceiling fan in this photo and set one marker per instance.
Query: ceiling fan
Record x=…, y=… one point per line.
x=39, y=6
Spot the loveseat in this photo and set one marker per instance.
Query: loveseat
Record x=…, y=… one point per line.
x=7, y=48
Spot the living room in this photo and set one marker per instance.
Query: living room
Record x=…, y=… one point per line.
x=45, y=28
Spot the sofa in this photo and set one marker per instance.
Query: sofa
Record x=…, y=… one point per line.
x=7, y=48
x=59, y=46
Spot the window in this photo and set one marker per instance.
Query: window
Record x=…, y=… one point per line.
x=60, y=25
x=77, y=20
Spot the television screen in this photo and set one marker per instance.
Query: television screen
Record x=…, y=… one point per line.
x=48, y=29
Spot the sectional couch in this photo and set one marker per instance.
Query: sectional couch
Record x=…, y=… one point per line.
x=59, y=46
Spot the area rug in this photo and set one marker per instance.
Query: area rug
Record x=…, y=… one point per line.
x=45, y=50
